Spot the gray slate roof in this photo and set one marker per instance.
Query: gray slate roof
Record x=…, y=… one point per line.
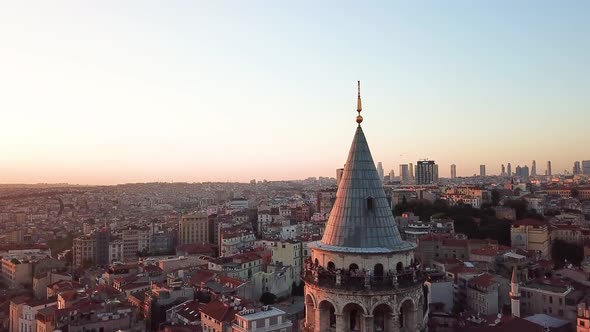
x=353, y=226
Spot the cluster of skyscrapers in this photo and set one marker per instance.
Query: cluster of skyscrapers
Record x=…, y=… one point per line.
x=524, y=171
x=426, y=171
x=583, y=169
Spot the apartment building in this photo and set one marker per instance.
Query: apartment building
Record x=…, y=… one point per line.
x=482, y=294
x=551, y=297
x=84, y=250
x=286, y=252
x=234, y=241
x=434, y=246
x=135, y=240
x=530, y=234
x=265, y=319
x=241, y=266
x=17, y=271
x=193, y=228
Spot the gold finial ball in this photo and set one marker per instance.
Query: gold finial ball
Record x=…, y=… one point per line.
x=359, y=119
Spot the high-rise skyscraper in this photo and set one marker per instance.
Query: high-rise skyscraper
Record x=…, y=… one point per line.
x=453, y=171
x=503, y=171
x=577, y=168
x=522, y=172
x=586, y=167
x=404, y=173
x=517, y=170
x=380, y=171
x=509, y=170
x=391, y=175
x=482, y=170
x=426, y=172
x=548, y=172
x=412, y=173
x=534, y=168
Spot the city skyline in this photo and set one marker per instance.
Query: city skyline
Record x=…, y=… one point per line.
x=175, y=94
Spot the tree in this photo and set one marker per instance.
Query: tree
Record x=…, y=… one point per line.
x=87, y=263
x=203, y=297
x=533, y=215
x=520, y=206
x=297, y=290
x=268, y=298
x=495, y=197
x=458, y=307
x=69, y=257
x=493, y=228
x=575, y=193
x=466, y=225
x=562, y=251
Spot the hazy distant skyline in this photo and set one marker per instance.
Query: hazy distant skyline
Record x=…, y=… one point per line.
x=114, y=92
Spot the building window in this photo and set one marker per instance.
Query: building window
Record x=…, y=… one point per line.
x=370, y=203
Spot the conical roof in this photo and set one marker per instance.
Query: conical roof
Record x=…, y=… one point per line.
x=361, y=219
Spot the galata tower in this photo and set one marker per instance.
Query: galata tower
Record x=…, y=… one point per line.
x=361, y=275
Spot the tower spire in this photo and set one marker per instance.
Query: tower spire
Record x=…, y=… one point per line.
x=514, y=294
x=359, y=106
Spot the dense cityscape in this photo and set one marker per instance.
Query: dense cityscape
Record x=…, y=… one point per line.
x=215, y=166
x=489, y=252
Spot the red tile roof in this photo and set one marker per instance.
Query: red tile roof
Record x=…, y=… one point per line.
x=565, y=227
x=482, y=241
x=482, y=281
x=20, y=299
x=224, y=280
x=455, y=243
x=191, y=311
x=218, y=310
x=447, y=260
x=134, y=285
x=529, y=222
x=434, y=237
x=68, y=295
x=515, y=324
x=492, y=250
x=201, y=276
x=462, y=269
x=109, y=290
x=198, y=249
x=126, y=279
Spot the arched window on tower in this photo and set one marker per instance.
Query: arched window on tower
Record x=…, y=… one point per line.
x=331, y=266
x=378, y=272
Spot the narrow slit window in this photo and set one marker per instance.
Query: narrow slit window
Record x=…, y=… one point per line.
x=370, y=203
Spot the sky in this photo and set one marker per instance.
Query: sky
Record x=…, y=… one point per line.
x=105, y=92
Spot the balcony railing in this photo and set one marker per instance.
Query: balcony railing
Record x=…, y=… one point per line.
x=361, y=280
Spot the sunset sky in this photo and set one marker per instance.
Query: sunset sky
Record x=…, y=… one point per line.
x=105, y=92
